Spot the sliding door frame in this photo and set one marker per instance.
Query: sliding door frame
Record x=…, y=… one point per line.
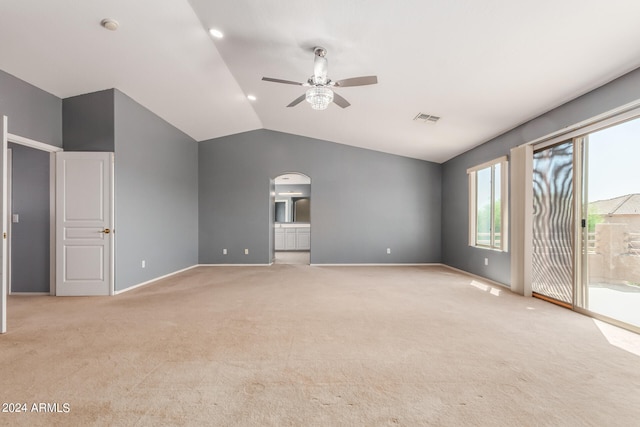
x=521, y=207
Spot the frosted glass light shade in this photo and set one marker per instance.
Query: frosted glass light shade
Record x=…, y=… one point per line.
x=319, y=97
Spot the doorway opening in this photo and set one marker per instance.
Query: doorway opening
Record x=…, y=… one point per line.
x=291, y=213
x=29, y=221
x=30, y=210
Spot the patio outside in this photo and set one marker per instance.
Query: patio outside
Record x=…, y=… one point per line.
x=614, y=258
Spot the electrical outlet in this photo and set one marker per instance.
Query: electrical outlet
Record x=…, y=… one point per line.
x=224, y=252
x=388, y=250
x=246, y=251
x=144, y=264
x=486, y=261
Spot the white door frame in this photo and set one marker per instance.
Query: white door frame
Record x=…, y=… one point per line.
x=51, y=149
x=8, y=215
x=3, y=202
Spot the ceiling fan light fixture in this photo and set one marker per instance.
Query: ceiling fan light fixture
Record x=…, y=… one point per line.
x=319, y=94
x=319, y=97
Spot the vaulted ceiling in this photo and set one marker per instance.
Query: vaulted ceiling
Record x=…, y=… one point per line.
x=483, y=67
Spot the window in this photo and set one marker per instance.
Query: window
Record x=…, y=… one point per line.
x=488, y=205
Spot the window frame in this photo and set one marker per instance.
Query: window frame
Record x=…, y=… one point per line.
x=504, y=204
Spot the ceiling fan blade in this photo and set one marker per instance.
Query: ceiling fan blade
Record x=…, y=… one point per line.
x=288, y=82
x=340, y=101
x=298, y=100
x=357, y=81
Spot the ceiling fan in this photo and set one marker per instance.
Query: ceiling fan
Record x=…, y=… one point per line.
x=319, y=94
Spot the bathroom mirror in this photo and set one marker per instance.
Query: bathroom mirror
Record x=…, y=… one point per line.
x=293, y=198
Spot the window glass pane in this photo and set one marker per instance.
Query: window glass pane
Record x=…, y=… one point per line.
x=612, y=282
x=497, y=217
x=483, y=207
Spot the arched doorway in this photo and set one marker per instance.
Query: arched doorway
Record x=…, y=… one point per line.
x=291, y=218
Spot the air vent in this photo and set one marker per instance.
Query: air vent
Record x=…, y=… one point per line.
x=426, y=118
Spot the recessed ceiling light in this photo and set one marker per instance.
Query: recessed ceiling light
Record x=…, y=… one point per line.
x=216, y=33
x=110, y=24
x=251, y=97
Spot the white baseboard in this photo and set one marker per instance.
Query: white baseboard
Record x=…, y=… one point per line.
x=402, y=264
x=233, y=265
x=30, y=293
x=148, y=282
x=378, y=265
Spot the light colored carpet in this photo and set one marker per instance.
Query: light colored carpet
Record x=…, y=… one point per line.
x=293, y=257
x=294, y=345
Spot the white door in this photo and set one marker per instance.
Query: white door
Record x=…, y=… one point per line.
x=3, y=246
x=84, y=216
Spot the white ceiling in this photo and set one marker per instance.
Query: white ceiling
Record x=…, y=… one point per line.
x=484, y=67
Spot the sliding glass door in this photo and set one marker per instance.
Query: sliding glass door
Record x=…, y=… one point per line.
x=553, y=223
x=611, y=220
x=586, y=221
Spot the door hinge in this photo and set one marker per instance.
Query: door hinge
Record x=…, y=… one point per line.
x=584, y=223
x=4, y=235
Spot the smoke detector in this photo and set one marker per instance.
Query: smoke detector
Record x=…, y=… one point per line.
x=110, y=24
x=426, y=118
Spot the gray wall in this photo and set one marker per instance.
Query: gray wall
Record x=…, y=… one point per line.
x=88, y=122
x=156, y=195
x=363, y=201
x=32, y=112
x=30, y=236
x=455, y=249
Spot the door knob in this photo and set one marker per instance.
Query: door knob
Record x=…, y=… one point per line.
x=106, y=231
